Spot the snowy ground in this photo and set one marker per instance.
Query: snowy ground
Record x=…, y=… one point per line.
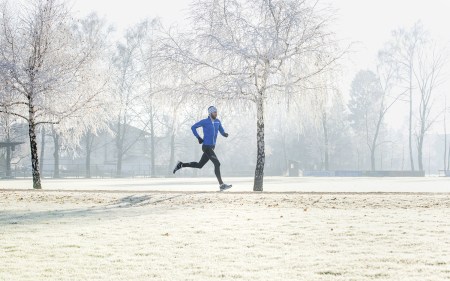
x=271, y=184
x=139, y=233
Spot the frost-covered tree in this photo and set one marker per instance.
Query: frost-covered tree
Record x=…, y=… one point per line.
x=152, y=86
x=173, y=103
x=43, y=61
x=257, y=51
x=126, y=89
x=95, y=82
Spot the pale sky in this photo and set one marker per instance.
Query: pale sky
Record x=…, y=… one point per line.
x=368, y=22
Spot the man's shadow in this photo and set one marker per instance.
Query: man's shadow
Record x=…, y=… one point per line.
x=108, y=211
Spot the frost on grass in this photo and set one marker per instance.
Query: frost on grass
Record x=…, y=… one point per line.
x=223, y=236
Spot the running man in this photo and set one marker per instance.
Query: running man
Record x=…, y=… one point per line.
x=211, y=127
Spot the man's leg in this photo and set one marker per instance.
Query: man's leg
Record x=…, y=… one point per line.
x=197, y=165
x=212, y=156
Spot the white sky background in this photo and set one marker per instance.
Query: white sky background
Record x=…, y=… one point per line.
x=368, y=22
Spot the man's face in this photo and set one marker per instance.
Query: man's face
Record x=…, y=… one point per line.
x=214, y=115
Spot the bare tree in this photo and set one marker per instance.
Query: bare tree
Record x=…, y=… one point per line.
x=325, y=97
x=174, y=115
x=153, y=69
x=428, y=75
x=43, y=60
x=402, y=50
x=366, y=104
x=326, y=116
x=257, y=50
x=56, y=152
x=126, y=90
x=386, y=77
x=371, y=99
x=96, y=78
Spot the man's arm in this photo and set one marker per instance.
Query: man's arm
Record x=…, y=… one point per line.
x=194, y=129
x=222, y=131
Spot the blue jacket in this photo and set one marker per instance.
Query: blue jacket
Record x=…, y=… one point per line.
x=210, y=130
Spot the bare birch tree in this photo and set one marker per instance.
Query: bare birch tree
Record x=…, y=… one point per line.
x=255, y=50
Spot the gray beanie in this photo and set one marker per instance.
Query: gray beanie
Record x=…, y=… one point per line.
x=211, y=110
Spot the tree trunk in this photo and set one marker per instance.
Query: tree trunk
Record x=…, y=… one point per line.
x=119, y=163
x=421, y=137
x=325, y=140
x=8, y=160
x=373, y=150
x=56, y=155
x=152, y=139
x=88, y=164
x=172, y=154
x=410, y=119
x=34, y=151
x=420, y=151
x=260, y=158
x=41, y=163
x=119, y=144
x=89, y=138
x=374, y=142
x=372, y=159
x=419, y=155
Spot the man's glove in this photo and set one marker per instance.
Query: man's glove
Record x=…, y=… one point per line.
x=200, y=140
x=225, y=135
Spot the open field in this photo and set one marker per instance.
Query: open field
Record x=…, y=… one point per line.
x=197, y=235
